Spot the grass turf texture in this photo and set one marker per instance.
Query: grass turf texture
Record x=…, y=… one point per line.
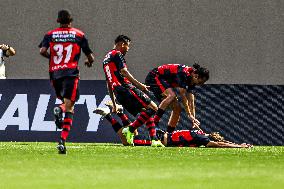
x=37, y=165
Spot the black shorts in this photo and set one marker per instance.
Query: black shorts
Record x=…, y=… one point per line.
x=157, y=85
x=132, y=99
x=67, y=87
x=199, y=139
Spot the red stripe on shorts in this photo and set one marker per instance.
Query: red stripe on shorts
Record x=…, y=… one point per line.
x=74, y=92
x=138, y=98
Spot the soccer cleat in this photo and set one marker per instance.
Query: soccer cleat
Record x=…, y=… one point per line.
x=157, y=143
x=61, y=147
x=128, y=135
x=58, y=117
x=102, y=111
x=110, y=105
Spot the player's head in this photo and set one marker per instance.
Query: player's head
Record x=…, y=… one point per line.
x=122, y=43
x=200, y=75
x=215, y=136
x=160, y=134
x=64, y=17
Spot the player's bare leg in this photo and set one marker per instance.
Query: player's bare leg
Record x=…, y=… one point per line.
x=175, y=116
x=170, y=96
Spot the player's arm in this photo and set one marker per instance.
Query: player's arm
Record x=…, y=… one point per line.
x=8, y=51
x=191, y=101
x=112, y=97
x=134, y=81
x=213, y=144
x=185, y=102
x=88, y=52
x=44, y=52
x=90, y=60
x=44, y=46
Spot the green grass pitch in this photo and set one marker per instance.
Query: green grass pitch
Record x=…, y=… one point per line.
x=37, y=165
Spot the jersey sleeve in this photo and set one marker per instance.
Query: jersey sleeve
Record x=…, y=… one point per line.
x=45, y=42
x=119, y=61
x=85, y=46
x=199, y=139
x=181, y=80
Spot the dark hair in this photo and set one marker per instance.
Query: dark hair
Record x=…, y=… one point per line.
x=160, y=134
x=122, y=38
x=201, y=71
x=64, y=17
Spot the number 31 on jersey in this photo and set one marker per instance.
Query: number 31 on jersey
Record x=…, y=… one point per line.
x=59, y=49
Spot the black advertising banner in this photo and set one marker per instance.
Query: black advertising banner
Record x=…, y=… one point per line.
x=242, y=113
x=26, y=112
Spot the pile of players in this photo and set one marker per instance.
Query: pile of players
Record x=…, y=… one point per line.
x=165, y=82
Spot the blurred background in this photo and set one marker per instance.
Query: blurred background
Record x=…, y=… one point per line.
x=239, y=41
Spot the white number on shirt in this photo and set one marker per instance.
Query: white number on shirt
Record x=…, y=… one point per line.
x=58, y=48
x=108, y=73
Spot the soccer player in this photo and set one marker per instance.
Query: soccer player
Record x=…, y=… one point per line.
x=5, y=51
x=65, y=44
x=180, y=138
x=124, y=88
x=192, y=138
x=162, y=81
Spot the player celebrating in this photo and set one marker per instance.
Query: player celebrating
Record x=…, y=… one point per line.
x=162, y=81
x=124, y=88
x=65, y=45
x=192, y=138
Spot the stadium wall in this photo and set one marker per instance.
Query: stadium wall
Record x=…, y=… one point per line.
x=240, y=41
x=242, y=113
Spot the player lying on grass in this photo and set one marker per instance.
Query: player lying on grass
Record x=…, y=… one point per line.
x=195, y=138
x=181, y=138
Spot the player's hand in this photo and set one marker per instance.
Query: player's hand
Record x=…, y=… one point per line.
x=115, y=109
x=195, y=126
x=88, y=64
x=194, y=120
x=245, y=145
x=144, y=87
x=4, y=47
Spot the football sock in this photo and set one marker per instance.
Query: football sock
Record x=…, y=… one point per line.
x=124, y=118
x=67, y=123
x=151, y=128
x=142, y=118
x=114, y=123
x=158, y=116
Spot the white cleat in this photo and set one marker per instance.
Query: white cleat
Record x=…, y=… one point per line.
x=110, y=105
x=102, y=111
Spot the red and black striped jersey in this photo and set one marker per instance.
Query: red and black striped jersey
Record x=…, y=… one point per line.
x=65, y=49
x=114, y=61
x=176, y=75
x=190, y=138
